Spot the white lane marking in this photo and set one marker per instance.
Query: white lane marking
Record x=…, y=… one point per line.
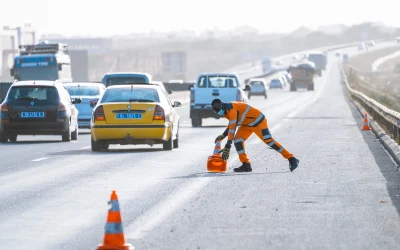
x=41, y=159
x=148, y=221
x=85, y=147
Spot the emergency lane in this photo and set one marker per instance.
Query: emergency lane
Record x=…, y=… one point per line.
x=63, y=199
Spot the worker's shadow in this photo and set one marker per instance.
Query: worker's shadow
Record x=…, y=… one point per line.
x=224, y=174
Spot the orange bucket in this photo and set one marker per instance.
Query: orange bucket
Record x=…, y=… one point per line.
x=215, y=163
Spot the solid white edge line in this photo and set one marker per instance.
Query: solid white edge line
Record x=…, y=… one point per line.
x=85, y=147
x=41, y=159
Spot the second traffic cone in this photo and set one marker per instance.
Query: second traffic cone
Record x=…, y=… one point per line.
x=114, y=238
x=366, y=123
x=215, y=163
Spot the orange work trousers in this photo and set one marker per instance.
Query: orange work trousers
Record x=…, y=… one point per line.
x=263, y=133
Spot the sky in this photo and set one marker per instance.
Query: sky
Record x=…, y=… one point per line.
x=119, y=17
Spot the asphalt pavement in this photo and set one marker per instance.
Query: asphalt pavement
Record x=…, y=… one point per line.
x=344, y=195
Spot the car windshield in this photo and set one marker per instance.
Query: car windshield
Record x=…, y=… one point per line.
x=37, y=73
x=82, y=90
x=41, y=93
x=121, y=80
x=256, y=83
x=131, y=95
x=217, y=82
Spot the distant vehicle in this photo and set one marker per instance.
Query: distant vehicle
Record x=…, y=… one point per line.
x=338, y=54
x=38, y=108
x=345, y=56
x=134, y=114
x=287, y=77
x=302, y=75
x=370, y=43
x=276, y=83
x=362, y=47
x=266, y=63
x=258, y=87
x=284, y=80
x=225, y=86
x=44, y=61
x=88, y=92
x=176, y=81
x=162, y=86
x=123, y=78
x=319, y=60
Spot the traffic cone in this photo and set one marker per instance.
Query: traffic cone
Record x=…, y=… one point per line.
x=215, y=163
x=114, y=238
x=217, y=149
x=366, y=123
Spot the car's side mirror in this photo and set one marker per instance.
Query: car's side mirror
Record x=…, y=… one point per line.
x=169, y=91
x=93, y=104
x=177, y=104
x=247, y=88
x=190, y=87
x=77, y=101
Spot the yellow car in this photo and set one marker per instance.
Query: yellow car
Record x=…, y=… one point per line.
x=134, y=114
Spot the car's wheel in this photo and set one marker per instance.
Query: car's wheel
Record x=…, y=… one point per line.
x=196, y=122
x=176, y=141
x=13, y=137
x=105, y=145
x=168, y=145
x=74, y=135
x=3, y=137
x=265, y=96
x=311, y=87
x=66, y=136
x=96, y=145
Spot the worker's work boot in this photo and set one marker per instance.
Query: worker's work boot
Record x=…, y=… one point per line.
x=246, y=167
x=293, y=163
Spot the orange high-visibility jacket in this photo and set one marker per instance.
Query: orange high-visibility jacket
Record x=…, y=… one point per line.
x=241, y=114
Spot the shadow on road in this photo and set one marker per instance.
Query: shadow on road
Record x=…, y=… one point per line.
x=387, y=167
x=226, y=174
x=107, y=152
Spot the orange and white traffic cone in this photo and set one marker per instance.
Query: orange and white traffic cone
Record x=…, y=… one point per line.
x=114, y=238
x=215, y=163
x=366, y=123
x=217, y=149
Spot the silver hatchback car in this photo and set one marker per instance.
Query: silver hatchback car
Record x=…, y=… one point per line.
x=258, y=87
x=89, y=93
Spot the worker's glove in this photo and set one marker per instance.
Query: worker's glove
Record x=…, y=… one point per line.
x=225, y=152
x=219, y=138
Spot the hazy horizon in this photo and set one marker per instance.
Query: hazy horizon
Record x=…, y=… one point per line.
x=94, y=18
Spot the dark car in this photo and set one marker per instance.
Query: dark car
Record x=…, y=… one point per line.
x=38, y=108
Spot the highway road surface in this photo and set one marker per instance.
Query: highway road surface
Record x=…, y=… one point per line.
x=344, y=195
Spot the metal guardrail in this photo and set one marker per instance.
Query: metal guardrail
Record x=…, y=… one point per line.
x=386, y=117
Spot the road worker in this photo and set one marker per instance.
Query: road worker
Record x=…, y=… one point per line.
x=248, y=120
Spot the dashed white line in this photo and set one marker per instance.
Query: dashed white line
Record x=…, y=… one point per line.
x=85, y=147
x=41, y=159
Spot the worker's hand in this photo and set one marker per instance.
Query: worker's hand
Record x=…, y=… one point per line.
x=225, y=152
x=219, y=138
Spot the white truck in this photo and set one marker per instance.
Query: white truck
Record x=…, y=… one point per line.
x=208, y=86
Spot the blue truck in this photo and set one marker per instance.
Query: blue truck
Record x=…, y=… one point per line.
x=42, y=61
x=319, y=59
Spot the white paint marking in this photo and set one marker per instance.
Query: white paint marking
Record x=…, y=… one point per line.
x=41, y=159
x=85, y=147
x=148, y=221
